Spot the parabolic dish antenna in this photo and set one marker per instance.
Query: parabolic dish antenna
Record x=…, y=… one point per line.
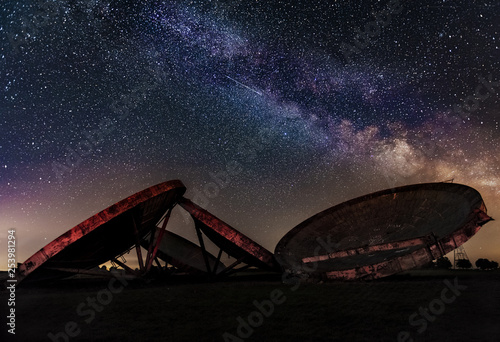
x=236, y=244
x=103, y=236
x=383, y=233
x=184, y=255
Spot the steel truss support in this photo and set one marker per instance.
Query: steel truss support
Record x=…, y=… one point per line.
x=212, y=272
x=138, y=248
x=125, y=267
x=217, y=262
x=155, y=243
x=157, y=262
x=203, y=249
x=233, y=265
x=428, y=240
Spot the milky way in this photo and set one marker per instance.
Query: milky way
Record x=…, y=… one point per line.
x=318, y=103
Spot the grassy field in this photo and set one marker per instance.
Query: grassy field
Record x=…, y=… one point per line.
x=336, y=311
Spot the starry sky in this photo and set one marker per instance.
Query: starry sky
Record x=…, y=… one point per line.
x=312, y=102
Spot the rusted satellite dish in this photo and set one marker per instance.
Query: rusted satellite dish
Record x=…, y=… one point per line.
x=384, y=232
x=105, y=235
x=229, y=239
x=185, y=255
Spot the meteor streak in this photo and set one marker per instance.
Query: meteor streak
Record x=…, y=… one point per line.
x=241, y=84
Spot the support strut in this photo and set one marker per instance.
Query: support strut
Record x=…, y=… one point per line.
x=153, y=247
x=138, y=247
x=203, y=249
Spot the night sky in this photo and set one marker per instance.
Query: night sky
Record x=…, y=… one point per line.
x=311, y=102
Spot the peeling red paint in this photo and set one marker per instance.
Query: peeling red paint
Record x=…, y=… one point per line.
x=104, y=235
x=228, y=238
x=386, y=232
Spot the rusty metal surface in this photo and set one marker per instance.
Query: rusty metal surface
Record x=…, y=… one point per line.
x=383, y=233
x=104, y=235
x=229, y=239
x=184, y=254
x=396, y=245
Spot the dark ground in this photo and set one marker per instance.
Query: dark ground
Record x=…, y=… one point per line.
x=337, y=311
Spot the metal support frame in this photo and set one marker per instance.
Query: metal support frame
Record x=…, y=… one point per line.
x=203, y=249
x=459, y=254
x=153, y=247
x=213, y=271
x=437, y=245
x=237, y=270
x=217, y=262
x=424, y=240
x=233, y=265
x=157, y=262
x=125, y=267
x=138, y=247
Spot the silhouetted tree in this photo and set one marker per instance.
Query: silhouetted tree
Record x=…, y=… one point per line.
x=443, y=262
x=430, y=264
x=463, y=263
x=481, y=263
x=486, y=264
